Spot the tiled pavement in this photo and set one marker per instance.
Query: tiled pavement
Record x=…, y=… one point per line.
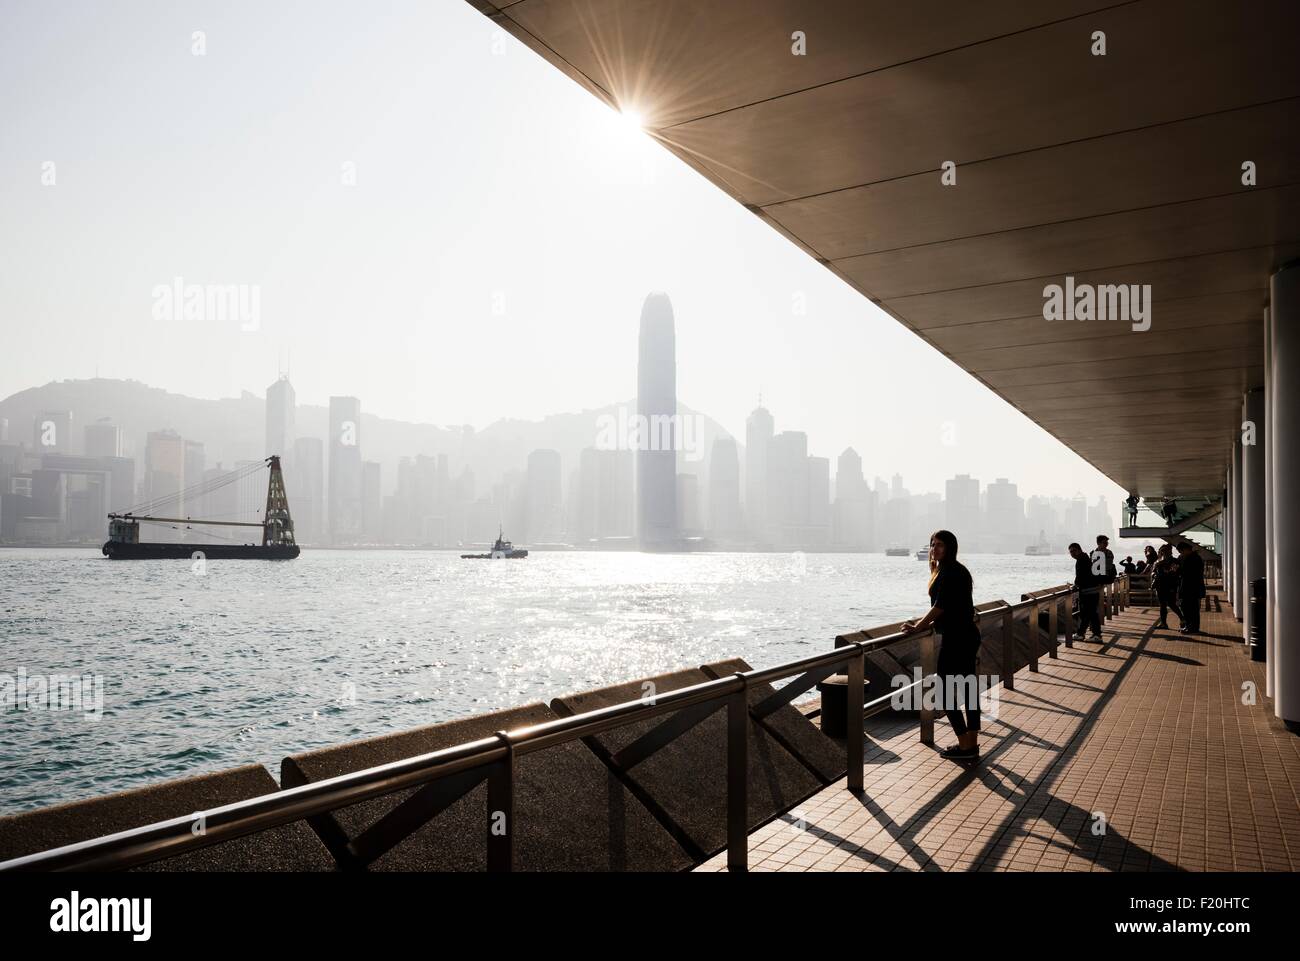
x=1146, y=730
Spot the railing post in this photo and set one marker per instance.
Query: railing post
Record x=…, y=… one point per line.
x=1034, y=639
x=1068, y=601
x=929, y=664
x=854, y=737
x=1008, y=650
x=501, y=810
x=738, y=778
x=1052, y=625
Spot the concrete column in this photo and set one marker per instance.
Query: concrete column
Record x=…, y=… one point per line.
x=1270, y=544
x=1238, y=529
x=1252, y=491
x=1228, y=533
x=1285, y=382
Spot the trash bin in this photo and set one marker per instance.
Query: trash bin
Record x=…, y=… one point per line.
x=1258, y=619
x=835, y=704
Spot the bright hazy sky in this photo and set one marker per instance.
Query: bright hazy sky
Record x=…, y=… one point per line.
x=480, y=176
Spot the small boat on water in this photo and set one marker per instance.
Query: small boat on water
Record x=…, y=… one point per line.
x=1040, y=549
x=923, y=553
x=897, y=551
x=501, y=550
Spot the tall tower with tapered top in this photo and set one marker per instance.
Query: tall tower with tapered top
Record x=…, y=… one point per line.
x=656, y=405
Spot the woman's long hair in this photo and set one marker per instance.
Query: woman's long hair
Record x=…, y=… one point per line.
x=949, y=541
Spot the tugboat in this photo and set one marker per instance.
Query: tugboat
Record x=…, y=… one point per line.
x=277, y=526
x=501, y=550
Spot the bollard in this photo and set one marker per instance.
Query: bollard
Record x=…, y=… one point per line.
x=853, y=734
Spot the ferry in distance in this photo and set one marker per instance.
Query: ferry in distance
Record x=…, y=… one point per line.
x=1041, y=549
x=897, y=551
x=501, y=550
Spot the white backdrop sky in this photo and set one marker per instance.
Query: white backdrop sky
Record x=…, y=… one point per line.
x=479, y=174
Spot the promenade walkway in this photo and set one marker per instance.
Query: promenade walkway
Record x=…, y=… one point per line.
x=1147, y=730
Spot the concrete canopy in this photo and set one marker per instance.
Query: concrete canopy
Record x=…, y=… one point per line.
x=1125, y=168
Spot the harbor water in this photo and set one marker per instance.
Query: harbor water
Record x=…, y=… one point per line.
x=200, y=668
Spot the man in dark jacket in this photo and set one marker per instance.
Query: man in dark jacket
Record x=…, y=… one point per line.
x=1191, y=586
x=1104, y=569
x=1086, y=582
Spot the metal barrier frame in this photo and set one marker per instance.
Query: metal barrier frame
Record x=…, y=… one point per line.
x=494, y=758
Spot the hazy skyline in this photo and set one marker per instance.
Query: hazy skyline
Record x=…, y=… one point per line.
x=490, y=260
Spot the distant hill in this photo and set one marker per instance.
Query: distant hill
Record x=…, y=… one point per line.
x=233, y=429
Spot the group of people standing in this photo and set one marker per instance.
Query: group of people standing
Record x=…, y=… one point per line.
x=1178, y=582
x=1168, y=509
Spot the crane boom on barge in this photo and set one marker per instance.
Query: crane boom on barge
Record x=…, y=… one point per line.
x=277, y=525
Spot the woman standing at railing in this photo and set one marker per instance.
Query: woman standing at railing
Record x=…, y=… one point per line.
x=952, y=615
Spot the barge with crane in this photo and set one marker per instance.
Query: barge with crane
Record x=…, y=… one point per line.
x=277, y=540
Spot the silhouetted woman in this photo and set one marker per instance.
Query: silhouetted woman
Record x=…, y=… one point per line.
x=952, y=614
x=1164, y=581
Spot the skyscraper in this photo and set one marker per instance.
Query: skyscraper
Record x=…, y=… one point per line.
x=345, y=470
x=759, y=428
x=819, y=502
x=604, y=499
x=164, y=464
x=962, y=510
x=1005, y=515
x=788, y=487
x=371, y=501
x=853, y=518
x=724, y=490
x=688, y=503
x=545, y=514
x=307, y=489
x=103, y=439
x=195, y=464
x=279, y=418
x=656, y=405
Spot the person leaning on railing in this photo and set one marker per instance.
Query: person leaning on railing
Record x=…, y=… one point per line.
x=952, y=615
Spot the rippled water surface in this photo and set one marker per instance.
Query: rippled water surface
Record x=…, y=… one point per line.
x=255, y=660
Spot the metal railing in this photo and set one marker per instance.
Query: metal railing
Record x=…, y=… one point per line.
x=493, y=759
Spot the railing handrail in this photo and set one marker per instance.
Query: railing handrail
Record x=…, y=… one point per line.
x=174, y=836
